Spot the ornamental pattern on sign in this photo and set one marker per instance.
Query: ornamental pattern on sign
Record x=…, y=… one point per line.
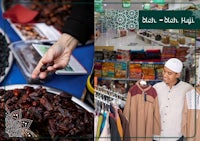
x=122, y=19
x=196, y=14
x=16, y=126
x=198, y=6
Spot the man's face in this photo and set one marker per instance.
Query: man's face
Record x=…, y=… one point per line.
x=169, y=76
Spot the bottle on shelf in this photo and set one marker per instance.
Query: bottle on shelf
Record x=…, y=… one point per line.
x=174, y=40
x=165, y=38
x=181, y=39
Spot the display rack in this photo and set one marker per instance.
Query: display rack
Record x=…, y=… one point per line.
x=126, y=70
x=104, y=97
x=151, y=40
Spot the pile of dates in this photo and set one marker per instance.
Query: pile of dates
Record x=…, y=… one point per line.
x=52, y=12
x=4, y=54
x=54, y=117
x=29, y=31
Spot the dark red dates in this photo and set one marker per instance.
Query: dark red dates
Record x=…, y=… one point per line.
x=45, y=66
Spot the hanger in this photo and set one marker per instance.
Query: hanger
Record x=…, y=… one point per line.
x=142, y=81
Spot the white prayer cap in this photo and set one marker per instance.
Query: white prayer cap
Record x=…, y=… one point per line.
x=174, y=64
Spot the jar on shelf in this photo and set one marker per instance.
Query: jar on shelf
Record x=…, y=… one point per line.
x=173, y=40
x=148, y=33
x=192, y=42
x=165, y=38
x=181, y=39
x=158, y=36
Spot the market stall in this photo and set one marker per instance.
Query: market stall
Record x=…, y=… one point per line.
x=132, y=76
x=33, y=108
x=62, y=82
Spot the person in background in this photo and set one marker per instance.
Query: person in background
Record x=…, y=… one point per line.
x=191, y=115
x=78, y=28
x=171, y=94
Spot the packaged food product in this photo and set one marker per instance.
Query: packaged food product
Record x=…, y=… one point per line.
x=158, y=37
x=165, y=38
x=6, y=56
x=108, y=69
x=174, y=40
x=120, y=69
x=181, y=39
x=135, y=71
x=27, y=63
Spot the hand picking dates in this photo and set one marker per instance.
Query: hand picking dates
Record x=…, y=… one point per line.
x=45, y=66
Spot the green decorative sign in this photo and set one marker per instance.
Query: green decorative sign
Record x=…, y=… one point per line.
x=169, y=19
x=147, y=6
x=98, y=6
x=159, y=1
x=152, y=19
x=126, y=3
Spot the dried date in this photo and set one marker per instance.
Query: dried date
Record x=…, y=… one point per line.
x=52, y=115
x=45, y=66
x=59, y=10
x=4, y=54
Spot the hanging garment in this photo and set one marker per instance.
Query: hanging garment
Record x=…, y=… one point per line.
x=119, y=124
x=113, y=129
x=125, y=126
x=105, y=134
x=114, y=111
x=100, y=119
x=191, y=116
x=95, y=126
x=103, y=121
x=142, y=112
